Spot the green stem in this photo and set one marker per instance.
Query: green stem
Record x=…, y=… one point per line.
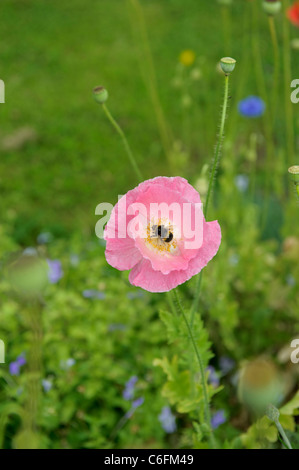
x=287, y=82
x=283, y=434
x=218, y=146
x=242, y=78
x=207, y=414
x=211, y=184
x=34, y=312
x=262, y=90
x=276, y=62
x=148, y=69
x=125, y=142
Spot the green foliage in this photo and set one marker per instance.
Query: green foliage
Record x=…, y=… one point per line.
x=60, y=158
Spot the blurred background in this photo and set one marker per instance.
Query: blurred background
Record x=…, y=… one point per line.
x=80, y=341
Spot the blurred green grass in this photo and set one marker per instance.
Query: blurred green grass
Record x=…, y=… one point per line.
x=52, y=54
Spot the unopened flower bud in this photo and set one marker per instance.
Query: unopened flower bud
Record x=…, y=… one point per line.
x=295, y=44
x=260, y=384
x=100, y=94
x=27, y=273
x=227, y=65
x=271, y=7
x=272, y=412
x=294, y=173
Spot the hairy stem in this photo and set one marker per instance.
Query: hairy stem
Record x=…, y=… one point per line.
x=287, y=83
x=207, y=414
x=125, y=142
x=276, y=63
x=211, y=184
x=283, y=434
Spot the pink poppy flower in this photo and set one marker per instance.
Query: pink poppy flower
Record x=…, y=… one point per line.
x=159, y=232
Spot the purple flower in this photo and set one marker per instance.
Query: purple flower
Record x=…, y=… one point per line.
x=93, y=294
x=136, y=403
x=116, y=327
x=44, y=237
x=55, y=270
x=213, y=377
x=47, y=385
x=135, y=295
x=21, y=360
x=218, y=418
x=14, y=367
x=167, y=420
x=252, y=107
x=226, y=364
x=129, y=390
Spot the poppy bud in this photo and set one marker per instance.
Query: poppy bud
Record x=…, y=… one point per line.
x=260, y=384
x=227, y=65
x=294, y=173
x=272, y=413
x=271, y=7
x=27, y=273
x=100, y=94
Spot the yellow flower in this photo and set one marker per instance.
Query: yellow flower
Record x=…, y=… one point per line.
x=187, y=57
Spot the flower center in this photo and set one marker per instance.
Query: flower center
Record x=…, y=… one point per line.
x=162, y=232
x=160, y=237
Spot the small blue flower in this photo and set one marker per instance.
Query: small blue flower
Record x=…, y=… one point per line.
x=44, y=237
x=74, y=260
x=213, y=377
x=135, y=295
x=70, y=362
x=226, y=364
x=30, y=251
x=47, y=385
x=116, y=327
x=55, y=272
x=167, y=420
x=129, y=390
x=93, y=294
x=14, y=367
x=252, y=107
x=242, y=183
x=234, y=259
x=290, y=280
x=67, y=364
x=136, y=403
x=218, y=418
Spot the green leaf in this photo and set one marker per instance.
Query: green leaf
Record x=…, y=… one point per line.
x=292, y=407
